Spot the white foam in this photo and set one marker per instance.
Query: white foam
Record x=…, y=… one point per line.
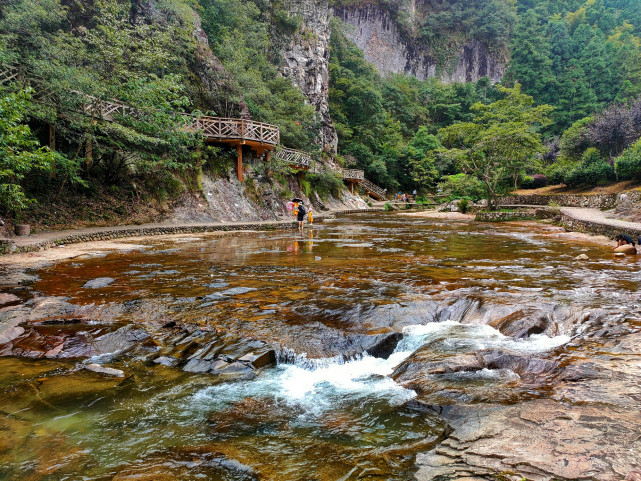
x=319, y=387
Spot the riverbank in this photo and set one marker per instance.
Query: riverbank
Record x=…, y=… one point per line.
x=560, y=232
x=47, y=240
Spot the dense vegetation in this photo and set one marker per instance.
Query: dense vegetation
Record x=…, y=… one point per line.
x=576, y=63
x=142, y=54
x=581, y=58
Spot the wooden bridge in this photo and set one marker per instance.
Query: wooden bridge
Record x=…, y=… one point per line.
x=296, y=159
x=357, y=177
x=260, y=137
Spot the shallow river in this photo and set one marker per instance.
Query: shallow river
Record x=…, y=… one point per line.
x=328, y=410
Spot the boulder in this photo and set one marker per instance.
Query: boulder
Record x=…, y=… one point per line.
x=385, y=345
x=582, y=257
x=521, y=324
x=267, y=358
x=626, y=249
x=108, y=371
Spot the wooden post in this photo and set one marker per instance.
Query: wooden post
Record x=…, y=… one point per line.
x=52, y=146
x=268, y=158
x=351, y=186
x=89, y=151
x=52, y=137
x=239, y=162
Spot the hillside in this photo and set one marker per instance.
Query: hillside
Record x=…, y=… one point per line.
x=370, y=84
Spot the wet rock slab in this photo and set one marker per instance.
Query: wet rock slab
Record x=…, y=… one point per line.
x=72, y=339
x=537, y=440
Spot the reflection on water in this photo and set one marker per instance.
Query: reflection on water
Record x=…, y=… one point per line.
x=319, y=295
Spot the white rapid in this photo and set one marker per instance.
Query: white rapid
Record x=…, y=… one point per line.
x=320, y=386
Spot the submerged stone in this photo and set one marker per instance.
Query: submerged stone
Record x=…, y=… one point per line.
x=98, y=283
x=104, y=370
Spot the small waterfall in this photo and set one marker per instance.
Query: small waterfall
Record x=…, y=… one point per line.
x=291, y=357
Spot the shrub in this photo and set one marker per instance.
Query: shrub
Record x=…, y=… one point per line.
x=325, y=183
x=527, y=182
x=592, y=170
x=628, y=164
x=558, y=172
x=540, y=180
x=461, y=186
x=463, y=205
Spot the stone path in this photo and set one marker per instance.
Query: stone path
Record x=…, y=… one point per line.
x=598, y=217
x=589, y=219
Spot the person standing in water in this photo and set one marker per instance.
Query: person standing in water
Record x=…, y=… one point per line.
x=302, y=211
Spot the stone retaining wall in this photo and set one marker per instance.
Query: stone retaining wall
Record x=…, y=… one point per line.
x=489, y=216
x=572, y=224
x=8, y=245
x=595, y=201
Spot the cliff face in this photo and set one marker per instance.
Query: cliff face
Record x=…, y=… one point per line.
x=373, y=29
x=307, y=62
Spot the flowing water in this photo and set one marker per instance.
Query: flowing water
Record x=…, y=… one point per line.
x=328, y=410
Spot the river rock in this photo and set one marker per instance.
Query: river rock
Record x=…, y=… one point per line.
x=16, y=277
x=267, y=358
x=43, y=308
x=537, y=440
x=384, y=345
x=521, y=324
x=105, y=370
x=8, y=299
x=11, y=334
x=74, y=340
x=98, y=283
x=582, y=257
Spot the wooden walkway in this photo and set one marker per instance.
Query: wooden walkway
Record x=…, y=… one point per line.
x=357, y=177
x=260, y=137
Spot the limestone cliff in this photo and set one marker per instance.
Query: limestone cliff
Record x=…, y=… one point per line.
x=307, y=62
x=373, y=29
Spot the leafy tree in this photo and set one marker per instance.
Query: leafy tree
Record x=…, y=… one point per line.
x=500, y=141
x=576, y=140
x=628, y=164
x=20, y=153
x=614, y=129
x=421, y=155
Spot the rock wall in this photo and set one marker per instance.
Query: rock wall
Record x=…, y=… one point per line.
x=594, y=201
x=374, y=30
x=307, y=63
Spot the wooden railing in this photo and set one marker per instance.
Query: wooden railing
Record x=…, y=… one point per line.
x=295, y=158
x=8, y=73
x=216, y=128
x=213, y=128
x=373, y=189
x=353, y=174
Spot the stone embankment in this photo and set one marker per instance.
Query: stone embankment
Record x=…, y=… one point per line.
x=48, y=240
x=582, y=213
x=593, y=201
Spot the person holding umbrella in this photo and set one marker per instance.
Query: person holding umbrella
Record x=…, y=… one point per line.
x=300, y=211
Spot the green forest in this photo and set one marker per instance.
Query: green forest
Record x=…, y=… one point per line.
x=570, y=95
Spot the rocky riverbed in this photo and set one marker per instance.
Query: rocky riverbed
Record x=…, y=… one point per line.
x=379, y=346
